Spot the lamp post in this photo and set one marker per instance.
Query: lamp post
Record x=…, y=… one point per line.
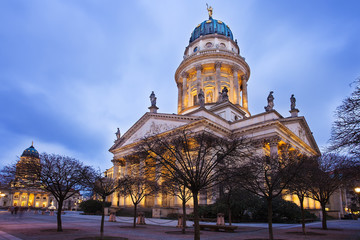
x=357, y=191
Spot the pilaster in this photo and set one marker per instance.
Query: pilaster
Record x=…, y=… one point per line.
x=184, y=76
x=217, y=80
x=244, y=79
x=199, y=69
x=235, y=70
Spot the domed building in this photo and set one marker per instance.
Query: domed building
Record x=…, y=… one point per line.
x=212, y=82
x=30, y=196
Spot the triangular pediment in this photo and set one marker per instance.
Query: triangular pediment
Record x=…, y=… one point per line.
x=151, y=124
x=300, y=128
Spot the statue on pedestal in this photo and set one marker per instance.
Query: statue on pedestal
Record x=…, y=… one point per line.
x=153, y=99
x=293, y=102
x=270, y=100
x=201, y=98
x=118, y=135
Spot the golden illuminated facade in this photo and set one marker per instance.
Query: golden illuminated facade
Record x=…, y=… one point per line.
x=212, y=84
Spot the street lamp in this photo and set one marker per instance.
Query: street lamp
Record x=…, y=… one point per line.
x=357, y=189
x=3, y=194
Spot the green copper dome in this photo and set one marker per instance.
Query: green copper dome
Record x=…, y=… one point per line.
x=211, y=26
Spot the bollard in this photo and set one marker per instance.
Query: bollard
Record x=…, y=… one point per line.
x=36, y=211
x=180, y=221
x=112, y=217
x=141, y=219
x=220, y=219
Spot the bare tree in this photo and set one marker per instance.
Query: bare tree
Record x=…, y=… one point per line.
x=137, y=187
x=268, y=176
x=300, y=185
x=62, y=176
x=345, y=132
x=101, y=186
x=327, y=175
x=193, y=159
x=172, y=187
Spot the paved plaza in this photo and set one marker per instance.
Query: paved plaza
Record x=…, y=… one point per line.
x=36, y=226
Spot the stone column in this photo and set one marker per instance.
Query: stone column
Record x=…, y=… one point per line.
x=217, y=81
x=156, y=196
x=184, y=76
x=116, y=169
x=198, y=80
x=203, y=198
x=244, y=79
x=180, y=97
x=27, y=199
x=235, y=70
x=274, y=146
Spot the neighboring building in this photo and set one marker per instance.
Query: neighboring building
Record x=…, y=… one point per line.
x=212, y=84
x=35, y=197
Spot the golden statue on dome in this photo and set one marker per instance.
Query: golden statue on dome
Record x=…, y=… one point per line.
x=210, y=10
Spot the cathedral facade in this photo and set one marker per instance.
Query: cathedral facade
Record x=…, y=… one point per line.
x=212, y=85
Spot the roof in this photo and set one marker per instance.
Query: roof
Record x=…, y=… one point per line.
x=211, y=26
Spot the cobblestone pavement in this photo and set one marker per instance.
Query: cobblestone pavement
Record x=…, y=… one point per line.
x=36, y=226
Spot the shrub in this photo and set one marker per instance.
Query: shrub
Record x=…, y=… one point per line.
x=93, y=206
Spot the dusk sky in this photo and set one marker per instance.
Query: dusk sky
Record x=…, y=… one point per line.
x=71, y=72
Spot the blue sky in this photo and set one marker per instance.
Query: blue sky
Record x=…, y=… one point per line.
x=71, y=72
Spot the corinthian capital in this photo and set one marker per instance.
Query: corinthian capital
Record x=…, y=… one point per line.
x=244, y=77
x=199, y=67
x=235, y=68
x=185, y=75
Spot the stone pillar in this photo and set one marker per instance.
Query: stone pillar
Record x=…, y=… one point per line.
x=244, y=79
x=116, y=170
x=198, y=80
x=27, y=199
x=235, y=70
x=203, y=198
x=274, y=147
x=157, y=177
x=184, y=76
x=176, y=204
x=180, y=97
x=217, y=81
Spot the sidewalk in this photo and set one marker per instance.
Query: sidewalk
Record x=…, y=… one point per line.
x=40, y=227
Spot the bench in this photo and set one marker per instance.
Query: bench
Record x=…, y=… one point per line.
x=217, y=227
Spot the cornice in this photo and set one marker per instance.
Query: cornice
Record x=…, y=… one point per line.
x=220, y=55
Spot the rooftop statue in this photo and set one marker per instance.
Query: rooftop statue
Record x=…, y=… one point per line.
x=210, y=11
x=153, y=99
x=270, y=100
x=201, y=98
x=118, y=135
x=293, y=102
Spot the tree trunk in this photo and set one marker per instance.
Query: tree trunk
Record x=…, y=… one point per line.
x=184, y=216
x=301, y=199
x=229, y=209
x=102, y=216
x=58, y=217
x=324, y=226
x=196, y=216
x=269, y=201
x=135, y=213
